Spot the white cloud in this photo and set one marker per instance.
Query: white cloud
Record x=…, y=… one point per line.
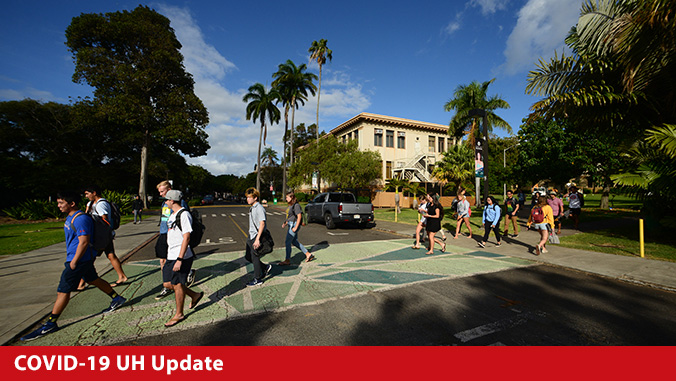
x=233, y=139
x=541, y=28
x=489, y=6
x=28, y=92
x=454, y=25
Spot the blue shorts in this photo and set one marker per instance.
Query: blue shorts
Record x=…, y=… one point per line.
x=177, y=277
x=70, y=279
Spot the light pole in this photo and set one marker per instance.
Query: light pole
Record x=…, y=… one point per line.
x=504, y=165
x=482, y=113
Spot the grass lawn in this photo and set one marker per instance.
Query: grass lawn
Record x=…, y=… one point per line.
x=20, y=238
x=623, y=240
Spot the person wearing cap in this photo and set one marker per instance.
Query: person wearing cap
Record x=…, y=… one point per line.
x=557, y=209
x=179, y=256
x=161, y=243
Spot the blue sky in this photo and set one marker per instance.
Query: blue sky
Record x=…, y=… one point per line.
x=396, y=58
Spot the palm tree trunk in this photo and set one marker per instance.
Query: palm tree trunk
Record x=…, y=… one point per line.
x=293, y=117
x=144, y=166
x=258, y=166
x=286, y=131
x=319, y=91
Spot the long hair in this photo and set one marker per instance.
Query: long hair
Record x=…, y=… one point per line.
x=292, y=194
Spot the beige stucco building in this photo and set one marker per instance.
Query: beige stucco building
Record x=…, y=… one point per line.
x=409, y=148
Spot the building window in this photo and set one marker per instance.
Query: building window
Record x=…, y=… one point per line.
x=442, y=145
x=344, y=138
x=388, y=170
x=356, y=136
x=389, y=138
x=401, y=140
x=378, y=137
x=431, y=142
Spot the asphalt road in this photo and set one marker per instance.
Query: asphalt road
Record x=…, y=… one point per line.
x=536, y=305
x=540, y=305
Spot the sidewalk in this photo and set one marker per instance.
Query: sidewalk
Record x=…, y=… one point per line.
x=29, y=280
x=654, y=273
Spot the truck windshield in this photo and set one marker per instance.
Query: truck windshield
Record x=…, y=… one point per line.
x=341, y=197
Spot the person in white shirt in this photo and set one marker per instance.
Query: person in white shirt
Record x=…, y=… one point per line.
x=179, y=256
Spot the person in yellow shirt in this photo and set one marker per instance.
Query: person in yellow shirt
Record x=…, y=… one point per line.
x=542, y=219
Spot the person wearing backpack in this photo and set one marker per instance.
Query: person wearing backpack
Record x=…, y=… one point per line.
x=541, y=218
x=99, y=206
x=161, y=248
x=512, y=206
x=179, y=257
x=491, y=220
x=293, y=221
x=575, y=204
x=80, y=257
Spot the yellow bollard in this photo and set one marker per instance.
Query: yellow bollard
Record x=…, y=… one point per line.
x=641, y=243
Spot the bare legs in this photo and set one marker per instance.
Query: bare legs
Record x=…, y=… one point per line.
x=459, y=226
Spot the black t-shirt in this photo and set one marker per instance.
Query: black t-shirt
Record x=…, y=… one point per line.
x=510, y=205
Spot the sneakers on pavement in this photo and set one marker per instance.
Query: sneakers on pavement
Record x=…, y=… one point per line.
x=115, y=304
x=191, y=277
x=268, y=269
x=255, y=282
x=45, y=329
x=515, y=236
x=163, y=293
x=481, y=244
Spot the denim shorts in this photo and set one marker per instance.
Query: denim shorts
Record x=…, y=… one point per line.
x=541, y=226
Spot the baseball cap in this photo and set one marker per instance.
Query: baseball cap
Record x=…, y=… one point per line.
x=174, y=195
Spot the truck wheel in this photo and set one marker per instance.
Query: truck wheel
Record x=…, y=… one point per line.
x=328, y=220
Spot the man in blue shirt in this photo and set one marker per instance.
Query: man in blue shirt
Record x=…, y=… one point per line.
x=80, y=256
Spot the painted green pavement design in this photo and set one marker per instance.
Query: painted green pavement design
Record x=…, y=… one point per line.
x=341, y=270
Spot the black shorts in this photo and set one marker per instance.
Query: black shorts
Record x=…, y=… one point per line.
x=177, y=277
x=161, y=246
x=70, y=279
x=575, y=211
x=109, y=249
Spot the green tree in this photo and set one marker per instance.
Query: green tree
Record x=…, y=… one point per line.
x=133, y=62
x=320, y=52
x=456, y=165
x=342, y=164
x=472, y=97
x=269, y=157
x=261, y=106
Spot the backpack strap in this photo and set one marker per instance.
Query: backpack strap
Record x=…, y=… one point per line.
x=177, y=222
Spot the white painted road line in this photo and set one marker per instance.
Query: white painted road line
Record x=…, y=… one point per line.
x=330, y=233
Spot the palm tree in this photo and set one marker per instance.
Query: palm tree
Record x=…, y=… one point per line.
x=396, y=184
x=293, y=84
x=269, y=157
x=261, y=106
x=471, y=97
x=456, y=165
x=320, y=52
x=415, y=190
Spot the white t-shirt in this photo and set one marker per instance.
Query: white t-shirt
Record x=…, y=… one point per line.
x=175, y=235
x=102, y=208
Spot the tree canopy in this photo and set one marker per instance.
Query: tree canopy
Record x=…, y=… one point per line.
x=132, y=60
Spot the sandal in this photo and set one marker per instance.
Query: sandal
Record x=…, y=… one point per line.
x=416, y=247
x=443, y=248
x=174, y=321
x=194, y=302
x=429, y=253
x=310, y=258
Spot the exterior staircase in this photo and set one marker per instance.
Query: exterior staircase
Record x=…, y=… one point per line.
x=415, y=170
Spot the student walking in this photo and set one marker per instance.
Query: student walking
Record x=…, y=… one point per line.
x=541, y=219
x=575, y=204
x=491, y=220
x=257, y=225
x=293, y=220
x=557, y=209
x=433, y=216
x=179, y=257
x=511, y=209
x=422, y=209
x=137, y=207
x=99, y=206
x=80, y=256
x=463, y=209
x=161, y=247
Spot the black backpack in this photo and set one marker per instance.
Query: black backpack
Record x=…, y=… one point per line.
x=102, y=235
x=115, y=214
x=581, y=197
x=197, y=226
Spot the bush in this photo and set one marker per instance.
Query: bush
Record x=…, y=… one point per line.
x=34, y=210
x=123, y=200
x=303, y=197
x=195, y=202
